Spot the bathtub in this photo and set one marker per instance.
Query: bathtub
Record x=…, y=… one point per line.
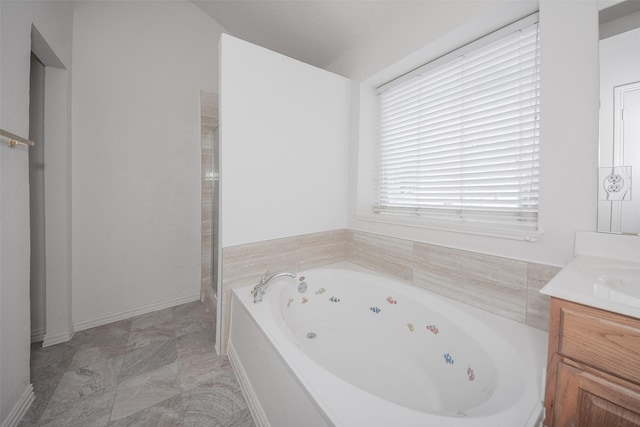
x=360, y=349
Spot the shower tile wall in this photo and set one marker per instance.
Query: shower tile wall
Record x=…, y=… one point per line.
x=500, y=285
x=208, y=123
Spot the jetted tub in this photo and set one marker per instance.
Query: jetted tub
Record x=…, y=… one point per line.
x=360, y=349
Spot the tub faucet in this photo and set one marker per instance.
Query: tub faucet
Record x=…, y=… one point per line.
x=259, y=289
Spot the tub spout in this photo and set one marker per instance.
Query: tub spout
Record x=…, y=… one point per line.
x=259, y=289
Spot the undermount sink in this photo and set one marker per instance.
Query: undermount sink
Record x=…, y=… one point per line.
x=616, y=283
x=609, y=284
x=622, y=287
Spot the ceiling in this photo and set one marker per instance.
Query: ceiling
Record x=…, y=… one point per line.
x=313, y=31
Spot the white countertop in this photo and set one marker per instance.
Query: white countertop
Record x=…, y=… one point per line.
x=584, y=280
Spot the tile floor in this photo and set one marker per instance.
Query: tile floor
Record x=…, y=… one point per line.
x=157, y=369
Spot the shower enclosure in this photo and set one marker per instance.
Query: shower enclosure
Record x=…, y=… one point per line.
x=210, y=189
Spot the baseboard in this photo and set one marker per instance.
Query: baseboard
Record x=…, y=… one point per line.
x=53, y=339
x=259, y=417
x=20, y=408
x=126, y=314
x=38, y=335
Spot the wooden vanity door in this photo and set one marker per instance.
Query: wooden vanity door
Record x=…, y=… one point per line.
x=588, y=399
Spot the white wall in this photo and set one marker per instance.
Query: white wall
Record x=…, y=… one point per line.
x=54, y=23
x=283, y=145
x=138, y=71
x=569, y=111
x=568, y=126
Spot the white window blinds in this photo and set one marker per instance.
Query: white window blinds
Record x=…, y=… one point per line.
x=459, y=138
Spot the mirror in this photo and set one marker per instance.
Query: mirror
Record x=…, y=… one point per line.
x=618, y=203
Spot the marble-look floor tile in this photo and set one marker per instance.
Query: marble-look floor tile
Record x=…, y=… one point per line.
x=143, y=391
x=151, y=327
x=43, y=392
x=192, y=317
x=197, y=359
x=95, y=378
x=154, y=355
x=88, y=355
x=202, y=369
x=90, y=411
x=52, y=360
x=168, y=413
x=48, y=365
x=115, y=374
x=214, y=404
x=202, y=341
x=152, y=319
x=109, y=334
x=100, y=343
x=239, y=419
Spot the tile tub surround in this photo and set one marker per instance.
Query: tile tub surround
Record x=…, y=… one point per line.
x=155, y=369
x=245, y=264
x=503, y=286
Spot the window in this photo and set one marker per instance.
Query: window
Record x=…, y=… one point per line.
x=458, y=137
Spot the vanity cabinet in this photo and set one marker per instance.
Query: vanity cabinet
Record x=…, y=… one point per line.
x=593, y=370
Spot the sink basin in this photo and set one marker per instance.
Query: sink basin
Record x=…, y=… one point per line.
x=621, y=288
x=620, y=284
x=604, y=283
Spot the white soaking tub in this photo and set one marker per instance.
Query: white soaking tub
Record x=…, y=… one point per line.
x=360, y=349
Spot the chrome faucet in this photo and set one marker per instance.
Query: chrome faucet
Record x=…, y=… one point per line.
x=259, y=289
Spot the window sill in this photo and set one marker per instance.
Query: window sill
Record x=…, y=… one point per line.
x=452, y=227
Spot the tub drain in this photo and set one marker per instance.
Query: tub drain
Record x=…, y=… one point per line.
x=311, y=335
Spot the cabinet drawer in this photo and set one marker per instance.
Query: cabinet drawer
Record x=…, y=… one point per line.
x=606, y=341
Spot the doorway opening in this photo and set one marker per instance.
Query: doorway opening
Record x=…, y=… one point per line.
x=38, y=276
x=50, y=195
